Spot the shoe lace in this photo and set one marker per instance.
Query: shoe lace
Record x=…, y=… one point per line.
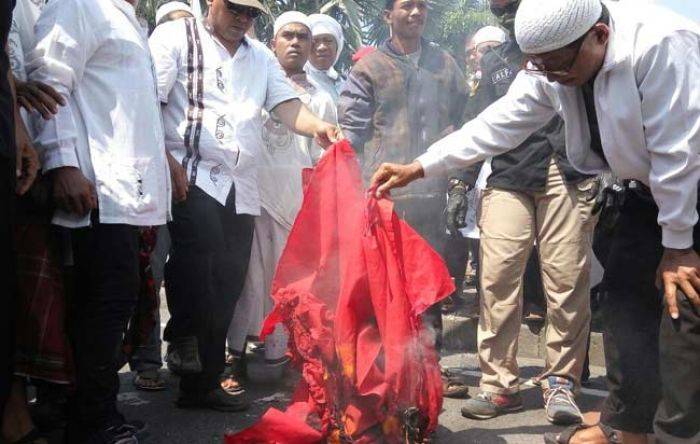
x=561, y=395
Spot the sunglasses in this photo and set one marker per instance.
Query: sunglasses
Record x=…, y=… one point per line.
x=248, y=11
x=511, y=8
x=539, y=66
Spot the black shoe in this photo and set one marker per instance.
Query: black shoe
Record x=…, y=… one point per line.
x=217, y=399
x=183, y=356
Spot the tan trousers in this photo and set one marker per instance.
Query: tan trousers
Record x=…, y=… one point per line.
x=560, y=220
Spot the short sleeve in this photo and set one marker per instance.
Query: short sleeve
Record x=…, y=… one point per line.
x=166, y=46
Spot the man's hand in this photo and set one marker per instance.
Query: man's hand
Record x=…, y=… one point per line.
x=72, y=191
x=391, y=175
x=456, y=206
x=37, y=96
x=27, y=159
x=326, y=134
x=679, y=270
x=178, y=177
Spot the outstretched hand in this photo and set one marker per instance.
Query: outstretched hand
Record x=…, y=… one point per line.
x=679, y=270
x=391, y=175
x=326, y=135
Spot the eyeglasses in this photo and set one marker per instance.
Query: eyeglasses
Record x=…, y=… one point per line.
x=248, y=11
x=539, y=66
x=500, y=11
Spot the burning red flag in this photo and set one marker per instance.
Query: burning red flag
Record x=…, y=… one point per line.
x=350, y=288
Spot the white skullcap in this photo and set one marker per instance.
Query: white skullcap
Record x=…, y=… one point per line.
x=291, y=17
x=169, y=7
x=325, y=24
x=489, y=34
x=547, y=25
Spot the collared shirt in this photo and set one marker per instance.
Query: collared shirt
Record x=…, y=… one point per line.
x=286, y=154
x=95, y=54
x=647, y=100
x=212, y=107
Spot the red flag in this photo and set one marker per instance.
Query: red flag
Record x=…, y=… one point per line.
x=350, y=287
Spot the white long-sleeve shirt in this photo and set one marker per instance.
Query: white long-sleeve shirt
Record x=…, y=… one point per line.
x=647, y=98
x=95, y=54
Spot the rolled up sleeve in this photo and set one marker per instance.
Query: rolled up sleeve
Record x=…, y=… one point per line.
x=65, y=42
x=502, y=127
x=671, y=114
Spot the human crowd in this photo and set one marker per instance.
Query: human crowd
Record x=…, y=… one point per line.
x=136, y=160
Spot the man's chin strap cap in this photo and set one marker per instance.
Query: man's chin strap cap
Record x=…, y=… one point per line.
x=546, y=25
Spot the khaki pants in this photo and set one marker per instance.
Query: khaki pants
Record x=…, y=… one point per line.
x=560, y=220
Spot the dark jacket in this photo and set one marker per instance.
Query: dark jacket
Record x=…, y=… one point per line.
x=525, y=168
x=392, y=110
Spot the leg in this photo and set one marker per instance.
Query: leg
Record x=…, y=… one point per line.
x=631, y=309
x=507, y=232
x=678, y=417
x=106, y=267
x=7, y=275
x=565, y=223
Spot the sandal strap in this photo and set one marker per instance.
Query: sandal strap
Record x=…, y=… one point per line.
x=612, y=435
x=565, y=436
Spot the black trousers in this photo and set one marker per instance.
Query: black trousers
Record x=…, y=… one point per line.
x=7, y=277
x=105, y=290
x=652, y=361
x=426, y=215
x=204, y=277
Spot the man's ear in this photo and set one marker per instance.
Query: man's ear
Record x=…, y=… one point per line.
x=602, y=32
x=386, y=15
x=273, y=45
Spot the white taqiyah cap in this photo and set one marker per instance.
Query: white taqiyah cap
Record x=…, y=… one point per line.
x=547, y=25
x=291, y=17
x=169, y=7
x=489, y=34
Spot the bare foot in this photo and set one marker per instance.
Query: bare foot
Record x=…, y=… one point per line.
x=16, y=422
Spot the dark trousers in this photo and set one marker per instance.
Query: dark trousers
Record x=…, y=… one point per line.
x=426, y=215
x=647, y=354
x=106, y=283
x=204, y=277
x=7, y=277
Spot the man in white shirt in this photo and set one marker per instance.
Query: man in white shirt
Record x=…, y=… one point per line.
x=105, y=156
x=214, y=82
x=627, y=90
x=328, y=45
x=282, y=160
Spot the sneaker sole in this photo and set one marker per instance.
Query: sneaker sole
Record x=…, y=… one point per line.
x=564, y=419
x=501, y=411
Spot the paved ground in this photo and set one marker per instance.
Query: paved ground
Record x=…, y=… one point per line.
x=172, y=426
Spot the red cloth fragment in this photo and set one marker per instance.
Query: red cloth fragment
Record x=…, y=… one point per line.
x=350, y=288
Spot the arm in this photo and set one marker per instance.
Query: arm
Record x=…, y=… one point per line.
x=500, y=128
x=27, y=158
x=164, y=44
x=356, y=108
x=60, y=63
x=297, y=117
x=671, y=114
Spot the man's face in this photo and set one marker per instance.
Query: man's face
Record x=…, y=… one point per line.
x=228, y=24
x=407, y=18
x=292, y=45
x=577, y=63
x=505, y=11
x=475, y=53
x=324, y=51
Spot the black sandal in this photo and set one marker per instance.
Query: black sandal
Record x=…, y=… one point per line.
x=564, y=437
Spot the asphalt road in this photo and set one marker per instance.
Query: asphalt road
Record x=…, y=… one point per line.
x=167, y=424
